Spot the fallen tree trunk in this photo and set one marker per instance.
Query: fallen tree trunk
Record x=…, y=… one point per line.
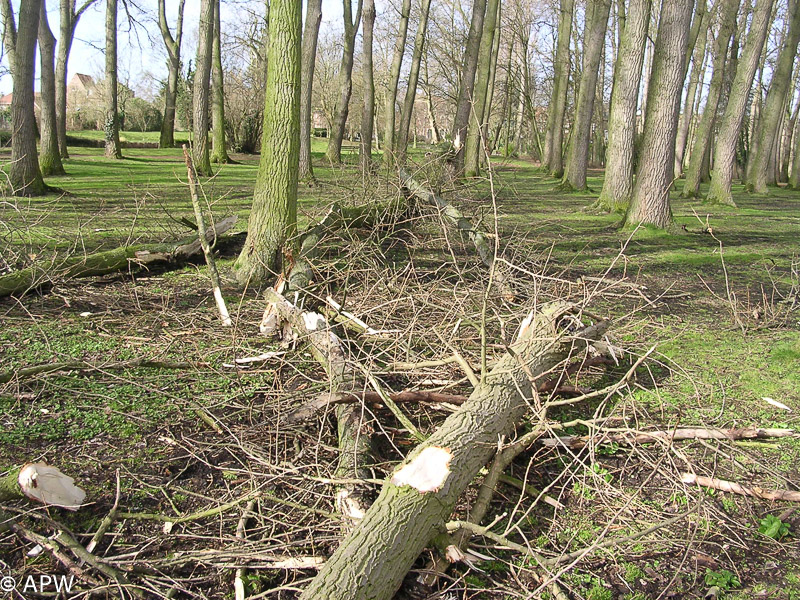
x=109, y=261
x=686, y=433
x=417, y=501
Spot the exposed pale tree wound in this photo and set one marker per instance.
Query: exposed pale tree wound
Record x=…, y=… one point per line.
x=43, y=484
x=427, y=472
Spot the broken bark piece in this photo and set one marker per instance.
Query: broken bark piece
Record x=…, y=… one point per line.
x=373, y=560
x=685, y=433
x=735, y=488
x=43, y=484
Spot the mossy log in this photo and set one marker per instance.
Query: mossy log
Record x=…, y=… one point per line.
x=418, y=499
x=109, y=261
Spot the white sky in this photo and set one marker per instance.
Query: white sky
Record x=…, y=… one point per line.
x=136, y=57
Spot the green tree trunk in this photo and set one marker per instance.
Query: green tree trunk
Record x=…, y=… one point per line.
x=49, y=155
x=618, y=183
x=554, y=134
x=410, y=98
x=705, y=129
x=650, y=197
x=473, y=143
x=774, y=106
x=368, y=112
x=310, y=37
x=394, y=82
x=219, y=152
x=731, y=123
x=24, y=174
x=111, y=125
x=794, y=175
x=578, y=150
x=466, y=86
x=273, y=219
x=173, y=46
x=342, y=109
x=200, y=92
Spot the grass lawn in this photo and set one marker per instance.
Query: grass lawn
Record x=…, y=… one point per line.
x=714, y=301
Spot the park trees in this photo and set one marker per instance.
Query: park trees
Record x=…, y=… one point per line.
x=554, y=134
x=731, y=123
x=775, y=103
x=618, y=182
x=49, y=155
x=650, y=196
x=342, y=109
x=368, y=112
x=200, y=92
x=309, y=60
x=273, y=218
x=19, y=41
x=111, y=123
x=173, y=46
x=219, y=153
x=593, y=36
x=394, y=81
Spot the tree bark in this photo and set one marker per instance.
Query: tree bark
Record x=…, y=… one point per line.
x=24, y=174
x=394, y=83
x=173, y=46
x=467, y=83
x=111, y=125
x=774, y=105
x=401, y=145
x=702, y=136
x=731, y=124
x=69, y=18
x=310, y=37
x=473, y=144
x=794, y=175
x=200, y=144
x=273, y=220
x=49, y=155
x=342, y=109
x=368, y=112
x=554, y=135
x=685, y=119
x=578, y=151
x=219, y=153
x=618, y=183
x=411, y=508
x=650, y=197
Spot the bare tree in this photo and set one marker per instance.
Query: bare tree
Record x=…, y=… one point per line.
x=201, y=88
x=173, y=46
x=49, y=156
x=650, y=197
x=578, y=150
x=732, y=119
x=310, y=37
x=334, y=152
x=111, y=123
x=618, y=183
x=219, y=153
x=19, y=41
x=394, y=82
x=554, y=134
x=368, y=113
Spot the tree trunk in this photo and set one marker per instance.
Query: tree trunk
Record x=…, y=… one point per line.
x=474, y=145
x=467, y=83
x=24, y=175
x=394, y=82
x=173, y=46
x=111, y=125
x=487, y=140
x=49, y=156
x=368, y=112
x=435, y=138
x=418, y=499
x=202, y=76
x=554, y=135
x=310, y=37
x=774, y=106
x=731, y=124
x=685, y=119
x=788, y=136
x=342, y=109
x=219, y=153
x=273, y=219
x=578, y=151
x=410, y=98
x=650, y=197
x=794, y=175
x=702, y=136
x=618, y=183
